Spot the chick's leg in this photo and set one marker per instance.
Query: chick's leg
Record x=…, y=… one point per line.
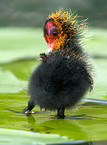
x=31, y=105
x=60, y=112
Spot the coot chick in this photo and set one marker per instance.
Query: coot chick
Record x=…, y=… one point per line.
x=64, y=75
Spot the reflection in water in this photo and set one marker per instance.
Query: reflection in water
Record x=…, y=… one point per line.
x=89, y=126
x=57, y=126
x=31, y=122
x=59, y=122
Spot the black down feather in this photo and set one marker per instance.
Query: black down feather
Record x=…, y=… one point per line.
x=60, y=82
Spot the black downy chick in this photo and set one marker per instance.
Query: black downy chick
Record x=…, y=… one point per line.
x=64, y=75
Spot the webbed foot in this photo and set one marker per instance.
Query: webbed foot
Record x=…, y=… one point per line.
x=31, y=105
x=29, y=112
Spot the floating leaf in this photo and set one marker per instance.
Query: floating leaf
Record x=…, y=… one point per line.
x=10, y=84
x=18, y=43
x=8, y=136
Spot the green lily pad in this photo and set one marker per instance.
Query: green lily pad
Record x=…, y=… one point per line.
x=18, y=43
x=100, y=79
x=97, y=44
x=9, y=136
x=10, y=84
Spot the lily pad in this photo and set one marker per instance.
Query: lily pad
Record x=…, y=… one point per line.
x=10, y=84
x=100, y=79
x=97, y=44
x=9, y=136
x=18, y=43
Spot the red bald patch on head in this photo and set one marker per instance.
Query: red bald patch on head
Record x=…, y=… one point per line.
x=51, y=34
x=49, y=25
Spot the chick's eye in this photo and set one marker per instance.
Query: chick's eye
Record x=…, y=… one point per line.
x=55, y=33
